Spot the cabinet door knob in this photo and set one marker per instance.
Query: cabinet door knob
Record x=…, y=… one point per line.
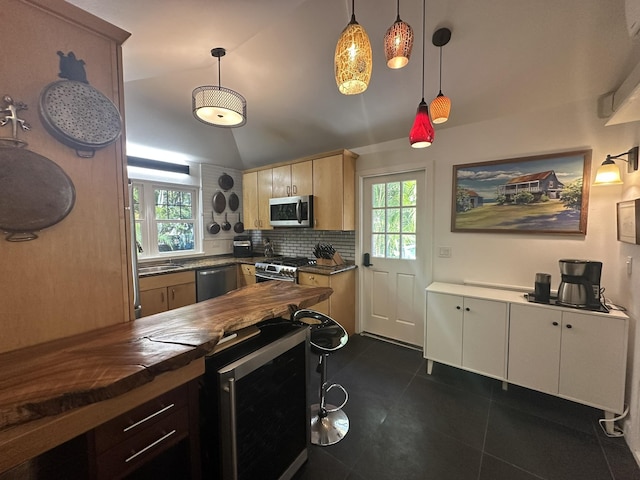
x=288, y=190
x=467, y=309
x=569, y=325
x=458, y=307
x=555, y=324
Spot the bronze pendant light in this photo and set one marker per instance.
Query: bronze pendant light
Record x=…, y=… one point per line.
x=398, y=42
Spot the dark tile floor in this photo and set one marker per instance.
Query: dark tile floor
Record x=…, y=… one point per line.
x=405, y=424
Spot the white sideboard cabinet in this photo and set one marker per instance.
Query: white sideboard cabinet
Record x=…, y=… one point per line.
x=575, y=354
x=467, y=332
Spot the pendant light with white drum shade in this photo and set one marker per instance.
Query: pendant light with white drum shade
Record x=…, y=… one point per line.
x=217, y=105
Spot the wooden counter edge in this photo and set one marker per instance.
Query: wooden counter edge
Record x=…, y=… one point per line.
x=20, y=443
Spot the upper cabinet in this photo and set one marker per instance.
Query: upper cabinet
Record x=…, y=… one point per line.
x=334, y=192
x=292, y=180
x=256, y=192
x=329, y=177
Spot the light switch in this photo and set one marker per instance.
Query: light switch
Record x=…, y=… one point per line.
x=444, y=252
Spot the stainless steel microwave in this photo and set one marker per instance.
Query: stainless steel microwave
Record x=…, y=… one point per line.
x=291, y=211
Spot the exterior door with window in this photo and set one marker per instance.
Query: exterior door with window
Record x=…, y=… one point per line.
x=394, y=237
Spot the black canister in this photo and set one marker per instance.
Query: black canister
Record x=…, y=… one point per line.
x=542, y=291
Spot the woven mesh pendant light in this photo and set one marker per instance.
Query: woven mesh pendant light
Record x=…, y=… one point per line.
x=398, y=42
x=441, y=105
x=353, y=58
x=217, y=105
x=422, y=133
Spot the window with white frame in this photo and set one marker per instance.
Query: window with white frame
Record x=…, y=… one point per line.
x=165, y=217
x=393, y=220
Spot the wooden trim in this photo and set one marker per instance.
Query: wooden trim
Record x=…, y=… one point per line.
x=346, y=153
x=20, y=443
x=69, y=12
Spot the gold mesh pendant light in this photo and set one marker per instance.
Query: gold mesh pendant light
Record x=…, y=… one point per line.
x=398, y=42
x=353, y=58
x=441, y=105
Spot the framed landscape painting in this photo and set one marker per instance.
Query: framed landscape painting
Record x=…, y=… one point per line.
x=546, y=194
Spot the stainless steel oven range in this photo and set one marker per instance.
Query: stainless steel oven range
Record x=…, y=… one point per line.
x=281, y=268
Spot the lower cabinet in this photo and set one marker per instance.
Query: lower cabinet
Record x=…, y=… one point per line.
x=467, y=332
x=160, y=293
x=341, y=304
x=578, y=356
x=246, y=274
x=575, y=354
x=158, y=439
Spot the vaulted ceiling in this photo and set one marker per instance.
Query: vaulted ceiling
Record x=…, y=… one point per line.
x=504, y=56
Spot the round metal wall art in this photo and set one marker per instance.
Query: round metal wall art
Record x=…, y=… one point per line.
x=79, y=116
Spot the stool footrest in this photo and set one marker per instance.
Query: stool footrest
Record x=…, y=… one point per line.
x=346, y=398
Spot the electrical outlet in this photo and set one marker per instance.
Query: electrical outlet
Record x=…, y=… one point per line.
x=444, y=252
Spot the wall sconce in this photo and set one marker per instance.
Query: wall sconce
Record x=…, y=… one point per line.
x=609, y=173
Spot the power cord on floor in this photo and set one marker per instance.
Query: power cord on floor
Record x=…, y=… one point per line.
x=617, y=431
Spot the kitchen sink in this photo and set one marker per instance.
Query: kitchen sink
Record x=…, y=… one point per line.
x=157, y=268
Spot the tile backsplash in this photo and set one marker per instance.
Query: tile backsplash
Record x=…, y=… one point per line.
x=299, y=242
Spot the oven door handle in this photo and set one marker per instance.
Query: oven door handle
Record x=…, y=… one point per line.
x=231, y=389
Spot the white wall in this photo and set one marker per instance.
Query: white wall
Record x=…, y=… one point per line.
x=513, y=259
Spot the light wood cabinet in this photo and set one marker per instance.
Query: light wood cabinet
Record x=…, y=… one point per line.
x=341, y=304
x=567, y=353
x=334, y=192
x=79, y=268
x=329, y=177
x=246, y=274
x=467, y=332
x=256, y=192
x=294, y=179
x=160, y=293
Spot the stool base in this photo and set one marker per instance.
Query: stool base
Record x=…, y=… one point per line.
x=330, y=429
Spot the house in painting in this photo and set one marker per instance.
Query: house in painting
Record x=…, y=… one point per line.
x=538, y=184
x=468, y=199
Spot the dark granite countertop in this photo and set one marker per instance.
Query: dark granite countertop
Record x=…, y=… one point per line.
x=223, y=260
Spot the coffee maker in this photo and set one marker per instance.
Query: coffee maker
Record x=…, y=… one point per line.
x=580, y=285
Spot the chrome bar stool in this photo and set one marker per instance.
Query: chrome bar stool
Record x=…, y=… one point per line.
x=329, y=424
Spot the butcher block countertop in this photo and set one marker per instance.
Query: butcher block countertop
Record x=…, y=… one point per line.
x=52, y=392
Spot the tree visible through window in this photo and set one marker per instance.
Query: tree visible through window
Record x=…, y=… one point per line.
x=165, y=218
x=393, y=222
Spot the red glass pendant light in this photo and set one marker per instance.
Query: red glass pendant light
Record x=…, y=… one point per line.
x=422, y=133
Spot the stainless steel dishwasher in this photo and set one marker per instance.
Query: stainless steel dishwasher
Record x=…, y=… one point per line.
x=215, y=281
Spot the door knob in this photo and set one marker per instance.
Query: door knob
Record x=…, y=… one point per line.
x=366, y=260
